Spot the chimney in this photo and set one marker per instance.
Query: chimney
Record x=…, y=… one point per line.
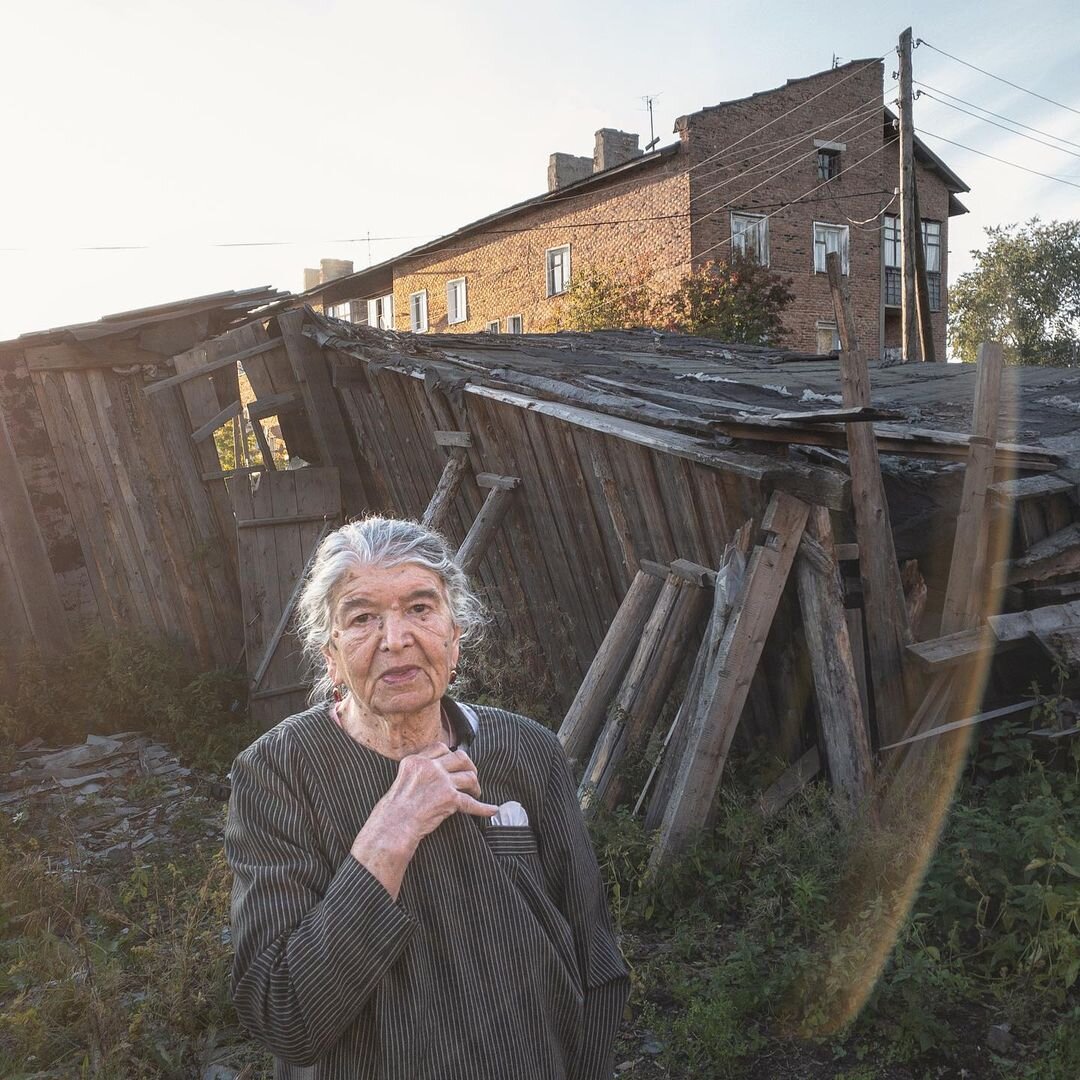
x=336, y=268
x=566, y=169
x=614, y=148
x=312, y=278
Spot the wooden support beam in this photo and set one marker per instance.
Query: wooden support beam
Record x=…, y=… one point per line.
x=952, y=649
x=453, y=438
x=733, y=670
x=1032, y=487
x=887, y=628
x=264, y=445
x=285, y=519
x=272, y=406
x=208, y=369
x=1053, y=556
x=844, y=734
x=968, y=586
x=971, y=721
x=1045, y=620
x=484, y=528
x=493, y=480
x=442, y=499
x=649, y=678
x=790, y=782
x=222, y=418
x=586, y=714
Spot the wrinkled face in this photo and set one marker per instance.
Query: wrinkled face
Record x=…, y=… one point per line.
x=393, y=640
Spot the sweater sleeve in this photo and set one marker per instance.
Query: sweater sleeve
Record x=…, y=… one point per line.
x=572, y=878
x=311, y=941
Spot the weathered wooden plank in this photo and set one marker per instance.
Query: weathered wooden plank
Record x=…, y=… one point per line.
x=484, y=528
x=733, y=670
x=824, y=486
x=968, y=587
x=209, y=366
x=452, y=438
x=31, y=580
x=1032, y=487
x=274, y=405
x=1054, y=556
x=215, y=422
x=970, y=721
x=438, y=509
x=791, y=781
x=844, y=734
x=586, y=714
x=310, y=366
x=1019, y=624
x=887, y=630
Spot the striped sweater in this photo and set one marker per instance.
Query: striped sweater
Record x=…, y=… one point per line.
x=496, y=962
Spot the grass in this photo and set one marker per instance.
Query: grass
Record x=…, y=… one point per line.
x=747, y=957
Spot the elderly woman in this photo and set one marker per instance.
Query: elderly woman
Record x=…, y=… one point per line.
x=415, y=894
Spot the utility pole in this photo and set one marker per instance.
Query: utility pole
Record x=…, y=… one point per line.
x=909, y=226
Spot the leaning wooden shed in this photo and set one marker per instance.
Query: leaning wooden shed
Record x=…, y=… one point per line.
x=602, y=489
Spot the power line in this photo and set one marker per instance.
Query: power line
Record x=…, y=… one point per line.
x=1000, y=78
x=990, y=112
x=1022, y=168
x=855, y=164
x=994, y=123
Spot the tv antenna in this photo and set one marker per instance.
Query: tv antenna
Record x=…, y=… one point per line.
x=653, y=138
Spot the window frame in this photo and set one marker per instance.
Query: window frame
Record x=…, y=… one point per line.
x=492, y=327
x=520, y=321
x=760, y=228
x=457, y=314
x=384, y=319
x=832, y=170
x=845, y=250
x=549, y=270
x=418, y=320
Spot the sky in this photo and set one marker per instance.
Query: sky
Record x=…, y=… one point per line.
x=300, y=128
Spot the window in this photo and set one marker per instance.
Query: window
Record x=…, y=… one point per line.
x=828, y=337
x=493, y=326
x=893, y=256
x=750, y=236
x=558, y=270
x=828, y=163
x=514, y=324
x=457, y=307
x=380, y=312
x=931, y=238
x=830, y=238
x=890, y=242
x=341, y=311
x=418, y=323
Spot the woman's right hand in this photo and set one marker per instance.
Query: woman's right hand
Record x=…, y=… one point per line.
x=430, y=785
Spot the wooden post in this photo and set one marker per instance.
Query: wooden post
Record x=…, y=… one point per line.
x=733, y=670
x=922, y=289
x=843, y=726
x=883, y=595
x=487, y=520
x=586, y=714
x=965, y=593
x=908, y=223
x=648, y=681
x=457, y=464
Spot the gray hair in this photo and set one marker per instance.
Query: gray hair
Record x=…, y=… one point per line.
x=377, y=541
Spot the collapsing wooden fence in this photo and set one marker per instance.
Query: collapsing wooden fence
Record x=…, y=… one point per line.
x=683, y=555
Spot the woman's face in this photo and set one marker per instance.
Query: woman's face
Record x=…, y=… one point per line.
x=393, y=640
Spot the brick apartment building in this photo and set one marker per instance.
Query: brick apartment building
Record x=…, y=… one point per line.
x=787, y=174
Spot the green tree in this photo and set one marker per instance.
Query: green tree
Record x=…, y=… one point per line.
x=740, y=301
x=1024, y=292
x=620, y=298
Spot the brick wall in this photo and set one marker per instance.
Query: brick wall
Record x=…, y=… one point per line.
x=505, y=268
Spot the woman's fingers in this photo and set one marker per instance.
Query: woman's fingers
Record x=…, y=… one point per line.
x=468, y=805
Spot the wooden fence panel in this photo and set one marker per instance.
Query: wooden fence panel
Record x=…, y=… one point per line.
x=280, y=516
